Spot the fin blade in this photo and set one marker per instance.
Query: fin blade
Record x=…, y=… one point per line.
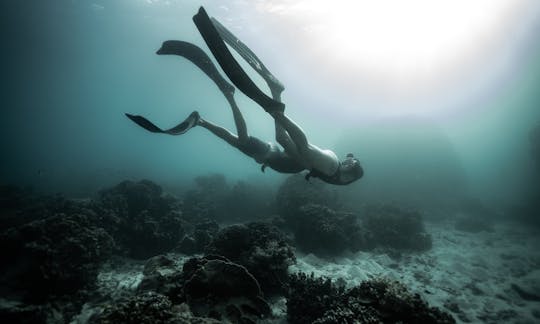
x=198, y=57
x=273, y=83
x=229, y=64
x=144, y=123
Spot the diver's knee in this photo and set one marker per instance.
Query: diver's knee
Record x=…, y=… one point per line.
x=282, y=140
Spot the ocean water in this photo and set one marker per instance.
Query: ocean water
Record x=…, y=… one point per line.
x=455, y=122
x=72, y=68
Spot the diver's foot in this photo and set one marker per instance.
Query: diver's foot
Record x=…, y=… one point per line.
x=191, y=121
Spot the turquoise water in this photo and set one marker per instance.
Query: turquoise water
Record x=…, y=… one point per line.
x=73, y=68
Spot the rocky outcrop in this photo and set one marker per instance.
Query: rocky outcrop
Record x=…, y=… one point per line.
x=390, y=226
x=142, y=220
x=261, y=248
x=324, y=231
x=318, y=300
x=57, y=255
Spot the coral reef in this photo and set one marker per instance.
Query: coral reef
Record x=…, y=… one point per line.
x=142, y=220
x=207, y=199
x=147, y=308
x=323, y=231
x=394, y=303
x=15, y=206
x=214, y=199
x=318, y=300
x=296, y=192
x=163, y=275
x=57, y=255
x=212, y=286
x=20, y=206
x=309, y=297
x=15, y=312
x=58, y=310
x=310, y=212
x=223, y=290
x=200, y=236
x=389, y=226
x=55, y=248
x=261, y=248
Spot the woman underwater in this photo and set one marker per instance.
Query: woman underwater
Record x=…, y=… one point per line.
x=298, y=153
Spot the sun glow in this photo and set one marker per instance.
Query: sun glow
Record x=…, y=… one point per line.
x=400, y=44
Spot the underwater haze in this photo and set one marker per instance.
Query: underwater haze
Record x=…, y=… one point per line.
x=73, y=68
x=102, y=221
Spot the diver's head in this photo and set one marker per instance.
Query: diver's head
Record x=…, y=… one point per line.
x=350, y=169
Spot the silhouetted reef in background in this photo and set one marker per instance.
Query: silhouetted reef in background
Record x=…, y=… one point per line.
x=218, y=252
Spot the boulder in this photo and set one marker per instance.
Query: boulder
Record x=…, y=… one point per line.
x=261, y=248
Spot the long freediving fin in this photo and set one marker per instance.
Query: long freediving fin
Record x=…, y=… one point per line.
x=229, y=64
x=198, y=57
x=276, y=87
x=183, y=127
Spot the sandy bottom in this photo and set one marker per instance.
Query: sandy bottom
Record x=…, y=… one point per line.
x=471, y=275
x=468, y=274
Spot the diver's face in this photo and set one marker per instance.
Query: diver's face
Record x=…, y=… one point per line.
x=350, y=170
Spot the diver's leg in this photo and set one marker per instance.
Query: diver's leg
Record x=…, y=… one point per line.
x=239, y=121
x=309, y=155
x=283, y=138
x=220, y=132
x=295, y=132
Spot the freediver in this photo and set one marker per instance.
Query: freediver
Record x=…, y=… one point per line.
x=298, y=153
